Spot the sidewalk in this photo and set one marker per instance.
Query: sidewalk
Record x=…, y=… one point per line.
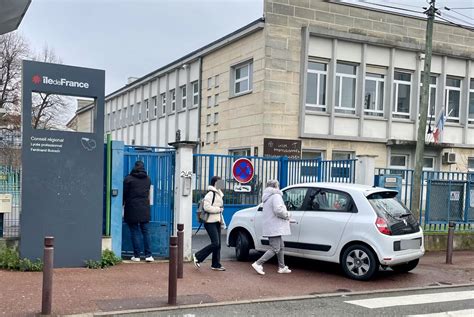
x=145, y=285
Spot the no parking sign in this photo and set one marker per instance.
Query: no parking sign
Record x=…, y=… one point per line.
x=242, y=170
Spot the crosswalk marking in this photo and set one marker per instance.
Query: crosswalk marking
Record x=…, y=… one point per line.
x=455, y=313
x=380, y=302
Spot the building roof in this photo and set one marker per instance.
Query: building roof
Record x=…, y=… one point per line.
x=11, y=14
x=225, y=40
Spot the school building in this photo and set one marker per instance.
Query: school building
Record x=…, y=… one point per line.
x=311, y=79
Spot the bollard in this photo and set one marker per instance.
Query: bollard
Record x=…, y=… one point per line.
x=172, y=280
x=47, y=295
x=180, y=249
x=449, y=248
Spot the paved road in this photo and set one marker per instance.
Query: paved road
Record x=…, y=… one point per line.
x=457, y=301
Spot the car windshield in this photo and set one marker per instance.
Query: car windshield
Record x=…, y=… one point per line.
x=385, y=203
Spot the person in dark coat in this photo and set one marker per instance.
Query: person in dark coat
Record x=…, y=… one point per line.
x=136, y=201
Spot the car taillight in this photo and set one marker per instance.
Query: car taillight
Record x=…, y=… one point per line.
x=382, y=226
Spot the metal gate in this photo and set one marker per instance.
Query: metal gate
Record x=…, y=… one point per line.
x=159, y=164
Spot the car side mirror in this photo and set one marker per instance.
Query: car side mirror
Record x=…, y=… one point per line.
x=260, y=208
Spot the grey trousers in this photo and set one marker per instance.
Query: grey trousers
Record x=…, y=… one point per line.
x=276, y=247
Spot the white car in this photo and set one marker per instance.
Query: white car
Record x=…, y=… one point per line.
x=360, y=227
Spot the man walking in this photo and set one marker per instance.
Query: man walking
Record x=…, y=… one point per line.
x=136, y=199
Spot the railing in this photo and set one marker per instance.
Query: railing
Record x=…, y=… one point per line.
x=10, y=179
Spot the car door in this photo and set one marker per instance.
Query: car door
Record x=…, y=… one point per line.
x=294, y=199
x=326, y=214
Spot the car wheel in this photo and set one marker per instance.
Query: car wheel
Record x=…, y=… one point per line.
x=359, y=262
x=242, y=247
x=406, y=267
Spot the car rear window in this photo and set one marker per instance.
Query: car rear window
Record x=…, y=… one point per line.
x=386, y=203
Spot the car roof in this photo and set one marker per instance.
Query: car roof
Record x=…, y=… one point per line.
x=366, y=190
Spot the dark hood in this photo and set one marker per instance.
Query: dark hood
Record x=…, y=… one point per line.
x=139, y=172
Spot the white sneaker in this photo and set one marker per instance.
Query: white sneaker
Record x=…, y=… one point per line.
x=258, y=268
x=134, y=259
x=196, y=262
x=284, y=270
x=149, y=259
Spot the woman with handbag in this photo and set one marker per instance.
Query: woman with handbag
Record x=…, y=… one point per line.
x=213, y=207
x=276, y=223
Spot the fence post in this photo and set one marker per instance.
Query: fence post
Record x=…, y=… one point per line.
x=48, y=259
x=180, y=249
x=364, y=169
x=449, y=248
x=211, y=168
x=320, y=170
x=283, y=171
x=172, y=275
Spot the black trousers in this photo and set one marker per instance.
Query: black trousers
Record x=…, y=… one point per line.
x=214, y=231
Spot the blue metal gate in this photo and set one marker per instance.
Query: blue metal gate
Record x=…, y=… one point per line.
x=159, y=164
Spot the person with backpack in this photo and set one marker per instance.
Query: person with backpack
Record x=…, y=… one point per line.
x=213, y=206
x=136, y=200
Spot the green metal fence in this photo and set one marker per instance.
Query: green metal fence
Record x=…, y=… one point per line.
x=10, y=179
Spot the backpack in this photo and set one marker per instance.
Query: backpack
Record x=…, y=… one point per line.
x=201, y=214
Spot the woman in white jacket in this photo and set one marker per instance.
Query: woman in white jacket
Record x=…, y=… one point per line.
x=276, y=223
x=213, y=206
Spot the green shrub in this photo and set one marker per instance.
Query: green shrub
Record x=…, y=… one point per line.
x=10, y=260
x=108, y=259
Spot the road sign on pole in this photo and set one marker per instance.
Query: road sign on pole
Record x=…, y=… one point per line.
x=242, y=170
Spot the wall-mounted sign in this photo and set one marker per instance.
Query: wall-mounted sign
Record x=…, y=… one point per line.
x=282, y=147
x=63, y=169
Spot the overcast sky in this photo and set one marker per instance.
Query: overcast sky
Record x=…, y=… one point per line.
x=135, y=37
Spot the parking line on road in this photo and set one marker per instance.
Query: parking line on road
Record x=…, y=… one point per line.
x=380, y=302
x=454, y=313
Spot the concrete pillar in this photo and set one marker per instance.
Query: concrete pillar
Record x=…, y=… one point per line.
x=183, y=192
x=116, y=197
x=365, y=169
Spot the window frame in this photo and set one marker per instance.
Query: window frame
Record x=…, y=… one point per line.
x=405, y=156
x=208, y=119
x=173, y=100
x=469, y=168
x=155, y=106
x=447, y=92
x=234, y=152
x=216, y=117
x=163, y=103
x=147, y=110
x=341, y=76
x=235, y=81
x=431, y=87
x=397, y=83
x=183, y=92
x=318, y=106
x=216, y=81
x=131, y=115
x=215, y=137
x=139, y=112
x=433, y=159
x=378, y=81
x=470, y=98
x=195, y=87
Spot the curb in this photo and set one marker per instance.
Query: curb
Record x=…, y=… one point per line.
x=265, y=300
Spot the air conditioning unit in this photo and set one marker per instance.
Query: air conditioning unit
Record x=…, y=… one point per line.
x=449, y=158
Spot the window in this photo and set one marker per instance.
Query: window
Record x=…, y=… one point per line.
x=312, y=155
x=316, y=86
x=215, y=136
x=209, y=101
x=401, y=95
x=208, y=121
x=342, y=155
x=453, y=98
x=346, y=78
x=173, y=100
x=183, y=97
x=241, y=78
x=428, y=163
x=163, y=103
x=328, y=200
x=124, y=115
x=208, y=137
x=195, y=93
x=113, y=121
x=120, y=121
x=431, y=95
x=373, y=99
x=131, y=115
x=294, y=198
x=240, y=152
x=107, y=122
x=471, y=101
x=155, y=107
x=470, y=163
x=216, y=81
x=216, y=100
x=399, y=161
x=209, y=83
x=147, y=110
x=216, y=118
x=139, y=112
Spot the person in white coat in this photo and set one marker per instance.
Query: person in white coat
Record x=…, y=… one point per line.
x=275, y=224
x=213, y=206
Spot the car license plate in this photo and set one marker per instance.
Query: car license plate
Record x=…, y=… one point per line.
x=410, y=244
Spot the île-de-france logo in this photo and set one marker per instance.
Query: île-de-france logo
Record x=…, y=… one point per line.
x=36, y=79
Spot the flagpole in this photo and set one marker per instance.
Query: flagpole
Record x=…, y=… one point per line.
x=420, y=144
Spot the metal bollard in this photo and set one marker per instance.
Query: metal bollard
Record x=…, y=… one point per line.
x=180, y=249
x=173, y=280
x=449, y=248
x=48, y=257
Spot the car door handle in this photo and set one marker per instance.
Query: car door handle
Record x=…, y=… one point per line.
x=293, y=221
